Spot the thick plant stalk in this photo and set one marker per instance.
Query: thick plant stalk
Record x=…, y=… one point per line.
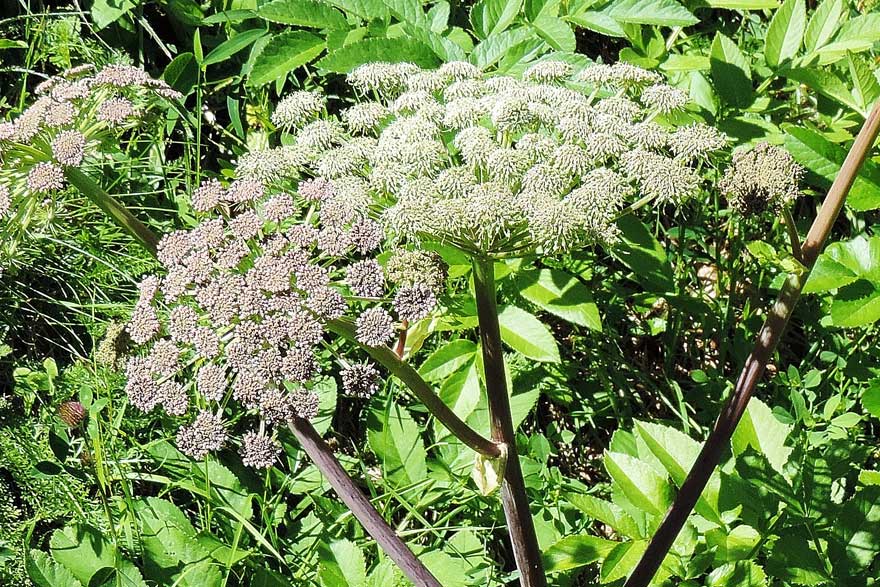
x=753, y=370
x=520, y=525
x=359, y=505
x=119, y=213
x=411, y=378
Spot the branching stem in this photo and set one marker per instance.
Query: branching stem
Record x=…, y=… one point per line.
x=768, y=338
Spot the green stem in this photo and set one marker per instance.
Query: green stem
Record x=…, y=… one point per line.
x=411, y=378
x=520, y=525
x=119, y=213
x=765, y=345
x=793, y=237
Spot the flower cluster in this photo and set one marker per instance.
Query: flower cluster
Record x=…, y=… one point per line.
x=762, y=179
x=73, y=112
x=234, y=328
x=496, y=165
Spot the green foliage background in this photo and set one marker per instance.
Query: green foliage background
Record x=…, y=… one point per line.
x=621, y=359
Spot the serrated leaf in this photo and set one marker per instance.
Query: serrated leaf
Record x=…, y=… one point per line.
x=561, y=294
x=527, y=335
x=824, y=159
x=744, y=4
x=83, y=550
x=556, y=32
x=785, y=33
x=738, y=574
x=794, y=559
x=621, y=560
x=730, y=72
x=866, y=89
x=667, y=13
x=641, y=484
x=232, y=45
x=461, y=392
x=45, y=572
x=391, y=50
x=573, y=552
x=597, y=21
x=489, y=51
x=394, y=437
x=823, y=24
x=606, y=512
x=871, y=398
x=677, y=452
x=762, y=431
x=855, y=541
x=448, y=359
x=342, y=565
x=490, y=17
x=307, y=13
x=843, y=263
x=284, y=53
x=857, y=304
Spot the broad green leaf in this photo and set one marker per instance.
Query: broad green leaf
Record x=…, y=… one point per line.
x=871, y=478
x=823, y=24
x=229, y=16
x=871, y=398
x=83, y=550
x=45, y=572
x=448, y=359
x=284, y=53
x=597, y=21
x=438, y=15
x=734, y=545
x=573, y=552
x=744, y=4
x=730, y=72
x=489, y=51
x=863, y=29
x=857, y=304
x=461, y=392
x=677, y=452
x=643, y=254
x=675, y=62
x=527, y=335
x=641, y=484
x=392, y=50
x=855, y=541
x=761, y=430
x=226, y=489
x=325, y=389
x=182, y=73
x=490, y=17
x=394, y=437
x=823, y=158
x=556, y=32
x=167, y=534
x=106, y=12
x=307, y=13
x=767, y=255
x=342, y=565
x=866, y=89
x=12, y=44
x=561, y=294
x=793, y=558
x=620, y=561
x=738, y=574
x=232, y=45
x=606, y=512
x=667, y=13
x=785, y=33
x=364, y=9
x=128, y=575
x=409, y=11
x=845, y=262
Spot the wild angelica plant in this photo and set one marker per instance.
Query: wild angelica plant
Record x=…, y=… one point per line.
x=234, y=330
x=44, y=149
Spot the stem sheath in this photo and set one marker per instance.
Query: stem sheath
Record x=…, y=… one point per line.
x=520, y=525
x=753, y=370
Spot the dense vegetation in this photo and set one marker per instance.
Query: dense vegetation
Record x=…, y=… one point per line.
x=629, y=180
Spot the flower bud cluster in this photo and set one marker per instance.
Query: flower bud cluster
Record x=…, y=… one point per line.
x=499, y=165
x=73, y=113
x=233, y=329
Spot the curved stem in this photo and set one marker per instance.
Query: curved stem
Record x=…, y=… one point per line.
x=359, y=505
x=520, y=525
x=119, y=213
x=768, y=338
x=793, y=237
x=411, y=378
